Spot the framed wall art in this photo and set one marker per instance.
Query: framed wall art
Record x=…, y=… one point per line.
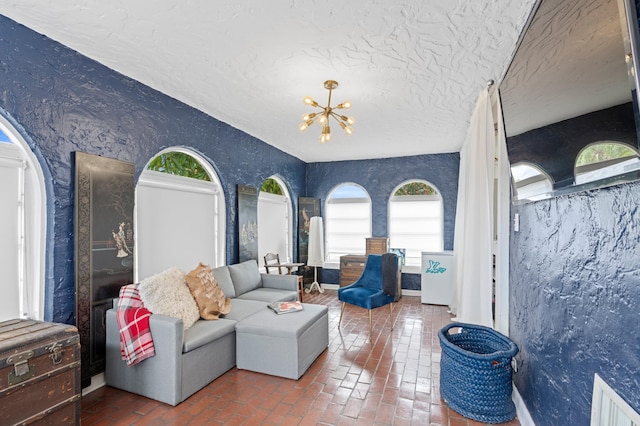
x=307, y=208
x=104, y=242
x=247, y=223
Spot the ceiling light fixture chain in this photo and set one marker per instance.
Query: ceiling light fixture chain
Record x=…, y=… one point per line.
x=323, y=116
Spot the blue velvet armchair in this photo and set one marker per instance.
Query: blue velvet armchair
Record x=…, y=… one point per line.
x=376, y=287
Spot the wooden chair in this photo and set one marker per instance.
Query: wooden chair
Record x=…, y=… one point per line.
x=273, y=259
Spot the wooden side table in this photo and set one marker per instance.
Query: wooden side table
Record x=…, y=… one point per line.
x=290, y=267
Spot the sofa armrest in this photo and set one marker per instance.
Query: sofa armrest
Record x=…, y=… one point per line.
x=158, y=377
x=280, y=282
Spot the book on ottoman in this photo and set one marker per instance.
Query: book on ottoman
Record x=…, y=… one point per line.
x=285, y=307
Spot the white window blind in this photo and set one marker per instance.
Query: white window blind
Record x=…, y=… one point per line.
x=177, y=223
x=11, y=235
x=416, y=224
x=348, y=224
x=273, y=226
x=31, y=226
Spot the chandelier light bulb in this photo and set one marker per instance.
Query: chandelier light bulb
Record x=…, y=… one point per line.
x=326, y=134
x=348, y=130
x=308, y=100
x=304, y=126
x=323, y=116
x=349, y=120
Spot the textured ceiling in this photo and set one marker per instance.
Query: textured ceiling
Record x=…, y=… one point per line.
x=412, y=69
x=570, y=62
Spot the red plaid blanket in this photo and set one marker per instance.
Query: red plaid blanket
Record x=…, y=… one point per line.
x=136, y=343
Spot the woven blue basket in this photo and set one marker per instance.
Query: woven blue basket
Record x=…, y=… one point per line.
x=475, y=372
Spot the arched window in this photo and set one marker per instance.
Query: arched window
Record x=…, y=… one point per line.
x=604, y=159
x=23, y=230
x=347, y=221
x=416, y=220
x=180, y=214
x=274, y=220
x=530, y=182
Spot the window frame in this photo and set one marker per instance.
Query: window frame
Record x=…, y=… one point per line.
x=34, y=227
x=266, y=197
x=170, y=181
x=542, y=176
x=588, y=172
x=414, y=266
x=332, y=259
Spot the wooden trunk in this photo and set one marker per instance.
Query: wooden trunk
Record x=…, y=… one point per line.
x=377, y=245
x=39, y=373
x=351, y=267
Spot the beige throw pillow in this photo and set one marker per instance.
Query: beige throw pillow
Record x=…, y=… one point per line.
x=205, y=290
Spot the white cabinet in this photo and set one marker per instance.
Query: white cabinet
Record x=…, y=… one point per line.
x=437, y=277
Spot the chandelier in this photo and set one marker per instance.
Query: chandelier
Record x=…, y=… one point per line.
x=323, y=116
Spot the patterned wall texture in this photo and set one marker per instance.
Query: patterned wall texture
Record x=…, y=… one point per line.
x=575, y=301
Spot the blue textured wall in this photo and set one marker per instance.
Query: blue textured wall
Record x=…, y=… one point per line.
x=63, y=102
x=575, y=301
x=379, y=177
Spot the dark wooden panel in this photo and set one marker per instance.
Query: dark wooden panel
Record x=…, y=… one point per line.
x=104, y=246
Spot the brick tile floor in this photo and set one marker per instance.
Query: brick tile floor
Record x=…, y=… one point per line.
x=390, y=379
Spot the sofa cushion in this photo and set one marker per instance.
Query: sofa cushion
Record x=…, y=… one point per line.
x=208, y=295
x=167, y=293
x=270, y=295
x=205, y=332
x=245, y=276
x=223, y=277
x=243, y=308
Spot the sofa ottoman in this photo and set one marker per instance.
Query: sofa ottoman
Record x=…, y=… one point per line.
x=282, y=345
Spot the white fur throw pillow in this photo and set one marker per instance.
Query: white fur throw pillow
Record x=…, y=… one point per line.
x=167, y=293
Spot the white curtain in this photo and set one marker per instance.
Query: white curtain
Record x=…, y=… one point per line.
x=503, y=222
x=473, y=242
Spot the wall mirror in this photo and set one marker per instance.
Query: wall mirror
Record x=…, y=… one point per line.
x=569, y=99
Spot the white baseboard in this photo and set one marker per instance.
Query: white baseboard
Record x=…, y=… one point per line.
x=97, y=382
x=330, y=286
x=521, y=409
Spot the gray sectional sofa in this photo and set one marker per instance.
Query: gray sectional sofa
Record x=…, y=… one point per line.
x=187, y=360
